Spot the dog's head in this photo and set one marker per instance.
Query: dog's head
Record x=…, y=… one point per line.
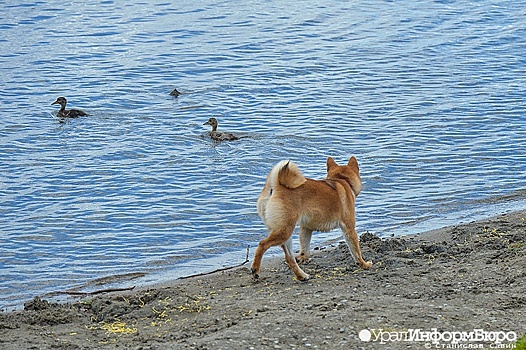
x=349, y=173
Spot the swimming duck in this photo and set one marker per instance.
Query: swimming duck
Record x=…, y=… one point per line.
x=175, y=93
x=218, y=135
x=67, y=113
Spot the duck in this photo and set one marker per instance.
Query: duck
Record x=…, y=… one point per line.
x=175, y=93
x=218, y=135
x=67, y=113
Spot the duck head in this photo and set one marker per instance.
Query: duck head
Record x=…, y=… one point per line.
x=60, y=101
x=213, y=123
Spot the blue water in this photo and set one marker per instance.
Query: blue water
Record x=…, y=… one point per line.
x=429, y=96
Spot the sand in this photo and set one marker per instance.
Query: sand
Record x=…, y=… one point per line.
x=458, y=286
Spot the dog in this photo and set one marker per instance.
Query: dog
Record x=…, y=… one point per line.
x=318, y=205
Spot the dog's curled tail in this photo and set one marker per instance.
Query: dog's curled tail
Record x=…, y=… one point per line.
x=287, y=174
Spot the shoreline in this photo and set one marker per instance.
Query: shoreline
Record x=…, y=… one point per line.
x=151, y=279
x=458, y=278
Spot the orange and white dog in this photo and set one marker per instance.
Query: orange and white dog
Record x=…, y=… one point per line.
x=318, y=205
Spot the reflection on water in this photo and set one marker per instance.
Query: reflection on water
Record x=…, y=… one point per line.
x=428, y=96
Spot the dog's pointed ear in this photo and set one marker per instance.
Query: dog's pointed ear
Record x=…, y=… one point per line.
x=353, y=163
x=330, y=163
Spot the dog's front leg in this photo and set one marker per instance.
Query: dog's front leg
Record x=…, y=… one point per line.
x=353, y=242
x=305, y=237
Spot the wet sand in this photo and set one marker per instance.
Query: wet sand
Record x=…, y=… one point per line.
x=466, y=278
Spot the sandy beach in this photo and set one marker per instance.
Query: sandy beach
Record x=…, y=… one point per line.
x=450, y=288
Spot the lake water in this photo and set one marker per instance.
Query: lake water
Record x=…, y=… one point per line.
x=430, y=96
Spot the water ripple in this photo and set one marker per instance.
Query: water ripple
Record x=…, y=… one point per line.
x=428, y=96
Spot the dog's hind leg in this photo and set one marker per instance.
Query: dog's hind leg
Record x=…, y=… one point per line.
x=291, y=261
x=275, y=238
x=305, y=236
x=353, y=242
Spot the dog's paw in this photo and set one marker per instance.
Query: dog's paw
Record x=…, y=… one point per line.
x=303, y=278
x=302, y=258
x=366, y=265
x=255, y=274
